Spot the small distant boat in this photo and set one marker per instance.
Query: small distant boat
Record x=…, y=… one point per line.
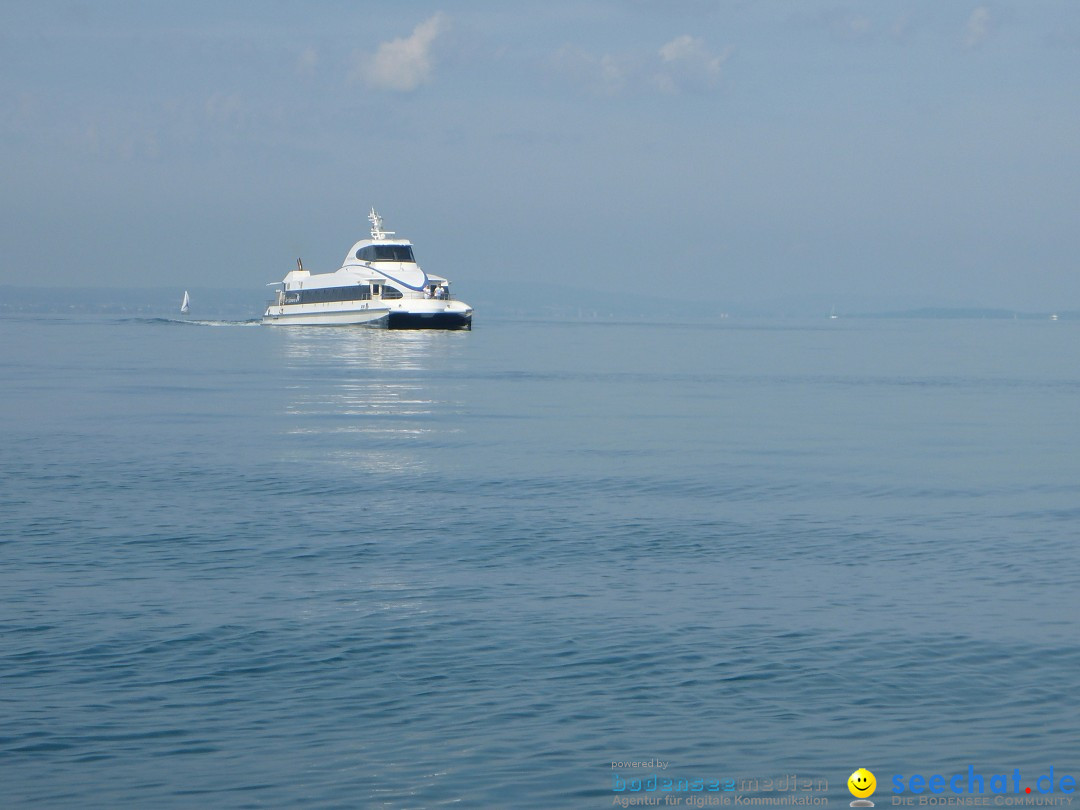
x=832, y=315
x=185, y=305
x=1054, y=317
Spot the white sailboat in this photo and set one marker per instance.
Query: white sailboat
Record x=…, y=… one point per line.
x=185, y=304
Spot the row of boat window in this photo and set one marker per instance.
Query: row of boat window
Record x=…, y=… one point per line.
x=385, y=253
x=354, y=292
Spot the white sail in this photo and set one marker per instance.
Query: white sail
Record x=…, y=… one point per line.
x=186, y=303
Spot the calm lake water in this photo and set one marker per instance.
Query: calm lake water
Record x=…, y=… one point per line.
x=244, y=566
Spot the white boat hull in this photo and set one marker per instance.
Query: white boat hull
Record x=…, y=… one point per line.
x=324, y=315
x=430, y=314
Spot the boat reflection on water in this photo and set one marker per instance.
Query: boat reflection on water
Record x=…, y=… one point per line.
x=370, y=399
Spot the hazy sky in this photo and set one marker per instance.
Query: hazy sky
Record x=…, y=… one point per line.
x=909, y=149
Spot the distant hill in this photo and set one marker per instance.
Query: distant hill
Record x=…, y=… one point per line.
x=970, y=313
x=137, y=302
x=494, y=301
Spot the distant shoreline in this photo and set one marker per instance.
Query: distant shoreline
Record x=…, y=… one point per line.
x=500, y=303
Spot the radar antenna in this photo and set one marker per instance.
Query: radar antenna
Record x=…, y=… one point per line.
x=376, y=226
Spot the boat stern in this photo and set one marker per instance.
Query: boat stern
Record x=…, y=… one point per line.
x=431, y=314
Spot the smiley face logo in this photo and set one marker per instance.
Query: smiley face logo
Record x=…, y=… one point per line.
x=862, y=783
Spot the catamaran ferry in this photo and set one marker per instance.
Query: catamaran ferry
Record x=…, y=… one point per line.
x=378, y=284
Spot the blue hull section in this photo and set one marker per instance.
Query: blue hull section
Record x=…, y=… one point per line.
x=434, y=320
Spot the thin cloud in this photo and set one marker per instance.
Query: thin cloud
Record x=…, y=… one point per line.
x=226, y=110
x=306, y=61
x=901, y=27
x=841, y=24
x=605, y=75
x=401, y=64
x=977, y=27
x=684, y=63
x=688, y=64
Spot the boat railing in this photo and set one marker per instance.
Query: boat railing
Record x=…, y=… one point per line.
x=281, y=299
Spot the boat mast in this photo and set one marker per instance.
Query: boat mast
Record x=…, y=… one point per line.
x=377, y=232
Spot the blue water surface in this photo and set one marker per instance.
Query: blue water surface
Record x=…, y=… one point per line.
x=244, y=566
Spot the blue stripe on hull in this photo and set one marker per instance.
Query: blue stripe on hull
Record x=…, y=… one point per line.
x=435, y=320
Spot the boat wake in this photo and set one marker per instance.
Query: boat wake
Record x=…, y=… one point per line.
x=195, y=321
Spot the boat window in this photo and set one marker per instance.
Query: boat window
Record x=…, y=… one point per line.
x=386, y=253
x=320, y=295
x=389, y=293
